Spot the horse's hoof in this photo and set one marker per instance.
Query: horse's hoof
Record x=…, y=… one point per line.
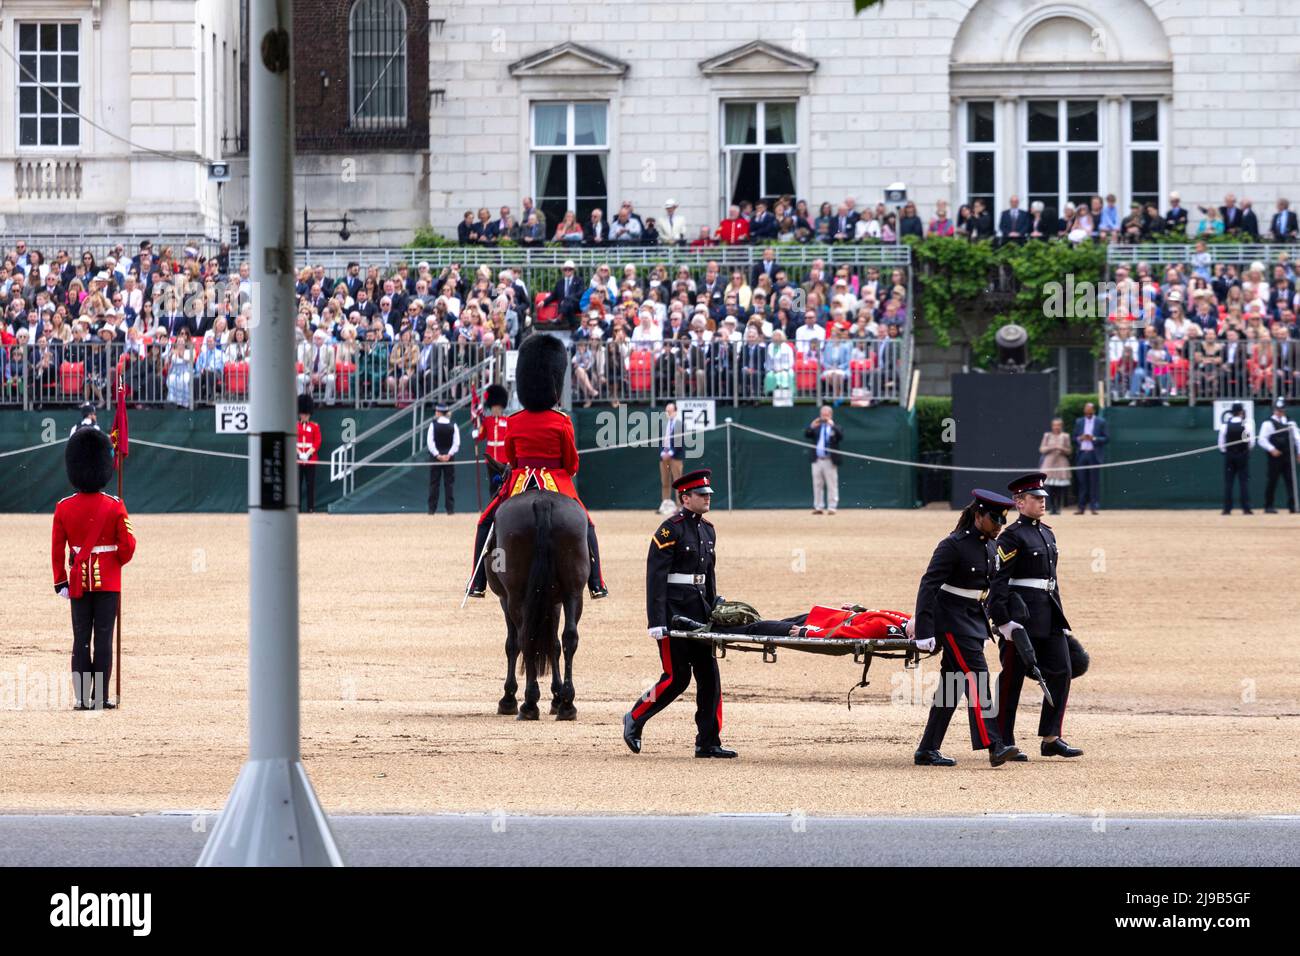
x=528, y=713
x=555, y=707
x=567, y=712
x=508, y=706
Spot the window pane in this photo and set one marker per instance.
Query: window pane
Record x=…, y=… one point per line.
x=27, y=132
x=1044, y=178
x=552, y=176
x=71, y=99
x=49, y=36
x=69, y=69
x=27, y=69
x=979, y=173
x=69, y=32
x=744, y=177
x=1043, y=126
x=778, y=120
x=27, y=99
x=550, y=124
x=48, y=102
x=49, y=132
x=979, y=123
x=779, y=168
x=26, y=36
x=584, y=208
x=553, y=209
x=1144, y=125
x=1082, y=168
x=589, y=124
x=49, y=69
x=71, y=132
x=1145, y=173
x=589, y=171
x=1082, y=124
x=741, y=125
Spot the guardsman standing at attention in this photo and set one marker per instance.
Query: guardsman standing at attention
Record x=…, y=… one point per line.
x=950, y=612
x=491, y=430
x=680, y=581
x=309, y=441
x=1026, y=571
x=94, y=527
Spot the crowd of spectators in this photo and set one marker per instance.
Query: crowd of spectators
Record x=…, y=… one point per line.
x=790, y=220
x=1214, y=330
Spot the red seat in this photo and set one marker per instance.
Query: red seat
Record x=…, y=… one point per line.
x=236, y=376
x=72, y=378
x=640, y=369
x=545, y=313
x=859, y=368
x=1180, y=374
x=343, y=377
x=805, y=373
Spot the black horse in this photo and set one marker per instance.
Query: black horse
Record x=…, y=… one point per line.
x=538, y=566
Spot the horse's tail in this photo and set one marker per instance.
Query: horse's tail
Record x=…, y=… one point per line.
x=539, y=609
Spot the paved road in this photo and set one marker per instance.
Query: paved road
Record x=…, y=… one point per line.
x=487, y=840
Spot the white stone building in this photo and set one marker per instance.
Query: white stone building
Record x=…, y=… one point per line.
x=1048, y=99
x=414, y=111
x=111, y=111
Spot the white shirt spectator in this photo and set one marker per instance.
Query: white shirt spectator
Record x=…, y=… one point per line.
x=805, y=335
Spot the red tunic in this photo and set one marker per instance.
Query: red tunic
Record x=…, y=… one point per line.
x=540, y=443
x=75, y=517
x=492, y=432
x=308, y=441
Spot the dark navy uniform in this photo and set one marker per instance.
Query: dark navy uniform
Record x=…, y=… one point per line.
x=680, y=581
x=1026, y=568
x=950, y=609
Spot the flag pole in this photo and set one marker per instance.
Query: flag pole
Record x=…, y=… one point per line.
x=117, y=671
x=121, y=447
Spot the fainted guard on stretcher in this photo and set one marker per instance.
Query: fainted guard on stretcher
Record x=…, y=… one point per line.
x=850, y=622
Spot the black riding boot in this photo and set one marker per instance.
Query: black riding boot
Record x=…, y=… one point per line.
x=596, y=582
x=478, y=588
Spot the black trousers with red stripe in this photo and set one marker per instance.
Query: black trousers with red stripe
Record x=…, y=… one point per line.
x=1053, y=655
x=93, y=616
x=962, y=672
x=682, y=657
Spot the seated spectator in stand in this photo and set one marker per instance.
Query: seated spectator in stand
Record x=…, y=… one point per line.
x=1107, y=222
x=1211, y=224
x=209, y=366
x=779, y=364
x=823, y=224
x=704, y=239
x=480, y=230
x=596, y=230
x=836, y=359
x=532, y=232
x=763, y=227
x=1249, y=222
x=867, y=227
x=809, y=336
x=941, y=225
x=569, y=231
x=981, y=221
x=624, y=228
x=889, y=228
x=734, y=229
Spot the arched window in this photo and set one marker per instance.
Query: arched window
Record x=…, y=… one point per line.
x=377, y=60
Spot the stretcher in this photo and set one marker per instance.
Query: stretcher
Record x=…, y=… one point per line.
x=863, y=633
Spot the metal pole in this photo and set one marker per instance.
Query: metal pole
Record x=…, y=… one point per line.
x=272, y=817
x=728, y=464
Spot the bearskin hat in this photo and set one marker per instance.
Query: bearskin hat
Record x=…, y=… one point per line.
x=539, y=373
x=496, y=395
x=306, y=404
x=89, y=459
x=1079, y=659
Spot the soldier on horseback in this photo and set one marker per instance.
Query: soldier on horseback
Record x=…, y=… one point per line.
x=540, y=450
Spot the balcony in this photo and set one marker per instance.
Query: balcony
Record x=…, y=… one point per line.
x=47, y=179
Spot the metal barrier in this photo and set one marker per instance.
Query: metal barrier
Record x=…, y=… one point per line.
x=861, y=371
x=101, y=244
x=1198, y=371
x=167, y=374
x=1228, y=253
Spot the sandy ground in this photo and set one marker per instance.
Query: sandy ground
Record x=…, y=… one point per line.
x=1191, y=706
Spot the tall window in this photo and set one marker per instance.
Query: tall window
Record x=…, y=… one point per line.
x=980, y=136
x=49, y=84
x=1144, y=151
x=377, y=57
x=570, y=150
x=1062, y=150
x=760, y=145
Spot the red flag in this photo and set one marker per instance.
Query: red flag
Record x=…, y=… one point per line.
x=121, y=444
x=475, y=406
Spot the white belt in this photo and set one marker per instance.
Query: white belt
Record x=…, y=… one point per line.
x=686, y=578
x=97, y=549
x=1043, y=584
x=970, y=593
